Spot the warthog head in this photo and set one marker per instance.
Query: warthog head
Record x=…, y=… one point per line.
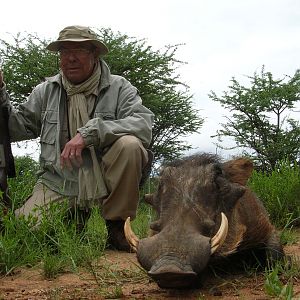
x=195, y=198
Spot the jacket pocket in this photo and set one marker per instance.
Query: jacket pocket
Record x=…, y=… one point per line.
x=49, y=127
x=48, y=136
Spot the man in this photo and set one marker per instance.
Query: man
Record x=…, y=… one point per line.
x=93, y=132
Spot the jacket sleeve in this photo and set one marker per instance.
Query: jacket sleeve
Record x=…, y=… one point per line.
x=132, y=118
x=24, y=122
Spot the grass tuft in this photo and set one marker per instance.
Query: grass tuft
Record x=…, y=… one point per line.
x=280, y=193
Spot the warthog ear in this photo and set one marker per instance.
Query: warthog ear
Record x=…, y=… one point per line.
x=238, y=170
x=231, y=192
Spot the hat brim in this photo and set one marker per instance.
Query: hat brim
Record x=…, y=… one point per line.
x=56, y=45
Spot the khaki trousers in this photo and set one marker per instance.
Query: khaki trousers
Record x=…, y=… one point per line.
x=122, y=167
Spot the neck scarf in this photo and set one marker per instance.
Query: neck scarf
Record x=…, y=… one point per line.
x=90, y=179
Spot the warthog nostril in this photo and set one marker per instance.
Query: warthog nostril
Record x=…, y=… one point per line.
x=171, y=276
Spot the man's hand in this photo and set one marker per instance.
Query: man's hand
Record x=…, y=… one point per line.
x=71, y=155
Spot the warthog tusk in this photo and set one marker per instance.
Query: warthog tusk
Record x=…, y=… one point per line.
x=131, y=238
x=221, y=235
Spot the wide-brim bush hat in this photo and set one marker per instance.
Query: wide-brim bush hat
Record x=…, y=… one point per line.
x=78, y=34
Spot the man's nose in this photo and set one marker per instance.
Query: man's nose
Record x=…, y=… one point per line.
x=72, y=57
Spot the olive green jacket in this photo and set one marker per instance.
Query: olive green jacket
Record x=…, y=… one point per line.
x=118, y=111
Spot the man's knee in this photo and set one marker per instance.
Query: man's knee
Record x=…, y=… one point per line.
x=126, y=151
x=129, y=144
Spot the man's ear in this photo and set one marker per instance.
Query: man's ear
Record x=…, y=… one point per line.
x=238, y=170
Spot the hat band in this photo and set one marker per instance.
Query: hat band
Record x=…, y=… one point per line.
x=75, y=36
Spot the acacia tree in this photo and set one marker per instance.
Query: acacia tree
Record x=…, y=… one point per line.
x=260, y=119
x=154, y=73
x=26, y=63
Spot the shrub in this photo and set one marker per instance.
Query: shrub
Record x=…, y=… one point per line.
x=280, y=193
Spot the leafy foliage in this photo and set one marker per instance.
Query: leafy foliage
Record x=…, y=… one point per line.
x=154, y=73
x=26, y=63
x=259, y=120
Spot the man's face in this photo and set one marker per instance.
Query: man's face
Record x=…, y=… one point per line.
x=77, y=61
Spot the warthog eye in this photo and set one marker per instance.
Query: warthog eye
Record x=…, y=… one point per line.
x=218, y=172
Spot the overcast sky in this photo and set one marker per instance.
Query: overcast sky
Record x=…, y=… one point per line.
x=223, y=38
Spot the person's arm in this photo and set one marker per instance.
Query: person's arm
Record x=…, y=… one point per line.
x=132, y=118
x=4, y=99
x=25, y=122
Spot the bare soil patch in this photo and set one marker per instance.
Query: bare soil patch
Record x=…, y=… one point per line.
x=117, y=275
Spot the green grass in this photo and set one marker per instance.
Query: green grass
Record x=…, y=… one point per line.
x=56, y=243
x=18, y=245
x=141, y=223
x=287, y=234
x=279, y=279
x=21, y=187
x=280, y=193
